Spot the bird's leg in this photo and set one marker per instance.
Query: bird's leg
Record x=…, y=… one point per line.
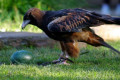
x=63, y=59
x=61, y=56
x=66, y=58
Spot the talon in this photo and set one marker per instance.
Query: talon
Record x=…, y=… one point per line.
x=67, y=59
x=62, y=61
x=59, y=61
x=65, y=63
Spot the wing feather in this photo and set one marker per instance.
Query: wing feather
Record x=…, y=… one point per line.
x=72, y=22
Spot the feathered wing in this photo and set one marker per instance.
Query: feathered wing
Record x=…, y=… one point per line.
x=74, y=21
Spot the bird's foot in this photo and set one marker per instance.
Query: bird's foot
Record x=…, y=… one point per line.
x=59, y=61
x=62, y=61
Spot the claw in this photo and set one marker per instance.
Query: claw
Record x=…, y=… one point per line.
x=65, y=63
x=67, y=59
x=59, y=61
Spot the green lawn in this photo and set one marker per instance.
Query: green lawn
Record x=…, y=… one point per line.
x=98, y=64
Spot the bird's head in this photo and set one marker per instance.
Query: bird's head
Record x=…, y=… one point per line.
x=33, y=16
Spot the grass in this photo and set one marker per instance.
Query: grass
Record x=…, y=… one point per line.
x=98, y=64
x=11, y=26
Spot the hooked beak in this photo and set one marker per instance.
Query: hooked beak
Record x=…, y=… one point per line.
x=25, y=22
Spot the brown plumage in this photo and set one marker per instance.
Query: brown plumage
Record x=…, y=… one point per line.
x=71, y=48
x=70, y=26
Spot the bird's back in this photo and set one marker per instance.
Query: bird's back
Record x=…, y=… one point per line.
x=74, y=18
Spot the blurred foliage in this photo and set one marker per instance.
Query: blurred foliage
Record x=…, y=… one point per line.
x=12, y=11
x=63, y=4
x=16, y=7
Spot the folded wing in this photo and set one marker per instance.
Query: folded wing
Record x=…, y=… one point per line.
x=73, y=22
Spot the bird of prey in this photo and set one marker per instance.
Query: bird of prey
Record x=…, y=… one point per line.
x=70, y=26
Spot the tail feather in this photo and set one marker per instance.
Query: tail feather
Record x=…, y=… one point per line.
x=112, y=20
x=107, y=19
x=108, y=46
x=116, y=20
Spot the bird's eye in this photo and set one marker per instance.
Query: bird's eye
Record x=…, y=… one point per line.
x=26, y=18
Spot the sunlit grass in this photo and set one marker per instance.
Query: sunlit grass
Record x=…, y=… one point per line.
x=98, y=64
x=11, y=26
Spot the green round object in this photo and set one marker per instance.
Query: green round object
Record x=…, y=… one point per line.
x=21, y=56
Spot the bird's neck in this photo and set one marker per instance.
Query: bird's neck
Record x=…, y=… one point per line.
x=39, y=18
